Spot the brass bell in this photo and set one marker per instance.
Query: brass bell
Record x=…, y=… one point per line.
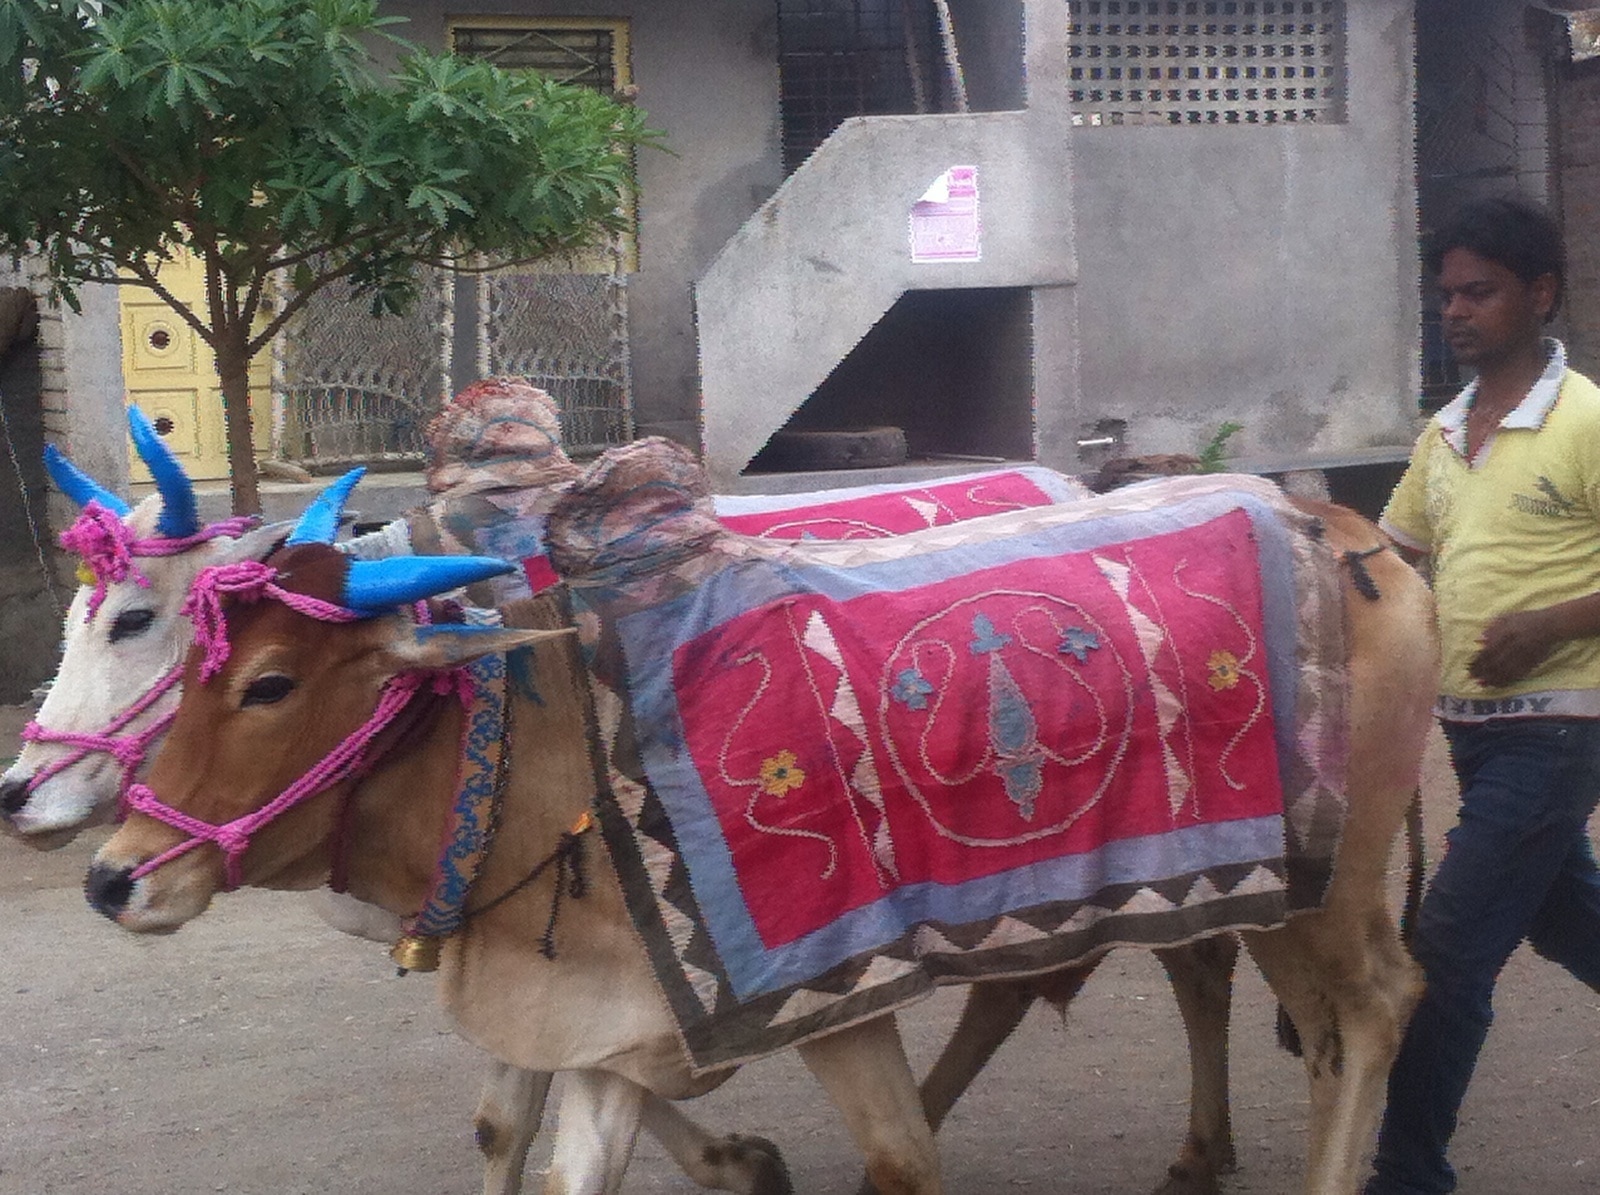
x=416, y=954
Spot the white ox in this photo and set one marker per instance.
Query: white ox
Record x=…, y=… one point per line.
x=1340, y=971
x=117, y=653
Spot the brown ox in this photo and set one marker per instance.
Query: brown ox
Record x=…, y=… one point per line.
x=1340, y=971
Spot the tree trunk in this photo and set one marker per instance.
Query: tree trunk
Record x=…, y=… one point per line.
x=233, y=367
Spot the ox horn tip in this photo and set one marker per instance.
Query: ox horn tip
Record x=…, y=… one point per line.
x=180, y=515
x=320, y=522
x=78, y=485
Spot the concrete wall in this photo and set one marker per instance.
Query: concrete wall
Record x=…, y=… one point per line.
x=1578, y=186
x=29, y=618
x=65, y=388
x=804, y=284
x=707, y=73
x=811, y=274
x=1262, y=274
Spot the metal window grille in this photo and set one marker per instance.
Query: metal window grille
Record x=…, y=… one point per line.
x=563, y=326
x=1207, y=62
x=844, y=58
x=354, y=387
x=583, y=56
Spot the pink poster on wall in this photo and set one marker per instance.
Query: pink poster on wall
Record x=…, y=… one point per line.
x=944, y=222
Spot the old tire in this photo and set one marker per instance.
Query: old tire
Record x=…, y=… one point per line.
x=844, y=448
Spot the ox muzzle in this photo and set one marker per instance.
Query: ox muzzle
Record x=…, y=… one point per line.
x=108, y=889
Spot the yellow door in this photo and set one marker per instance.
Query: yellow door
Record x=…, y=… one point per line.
x=171, y=375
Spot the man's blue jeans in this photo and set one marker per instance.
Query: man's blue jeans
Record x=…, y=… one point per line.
x=1518, y=866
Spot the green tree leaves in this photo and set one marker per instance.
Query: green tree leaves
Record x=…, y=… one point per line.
x=265, y=137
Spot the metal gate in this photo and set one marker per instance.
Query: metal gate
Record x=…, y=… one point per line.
x=350, y=387
x=353, y=388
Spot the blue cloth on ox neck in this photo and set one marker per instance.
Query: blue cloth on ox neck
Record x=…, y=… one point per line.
x=475, y=813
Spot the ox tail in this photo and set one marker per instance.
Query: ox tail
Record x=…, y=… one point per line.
x=1416, y=869
x=1416, y=873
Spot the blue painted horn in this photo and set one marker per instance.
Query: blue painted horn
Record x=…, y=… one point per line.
x=374, y=587
x=78, y=485
x=179, y=515
x=320, y=522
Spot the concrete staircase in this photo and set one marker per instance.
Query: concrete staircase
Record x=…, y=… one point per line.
x=820, y=263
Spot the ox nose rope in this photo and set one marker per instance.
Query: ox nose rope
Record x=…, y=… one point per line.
x=128, y=750
x=107, y=547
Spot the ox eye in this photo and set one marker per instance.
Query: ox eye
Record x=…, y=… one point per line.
x=267, y=690
x=130, y=623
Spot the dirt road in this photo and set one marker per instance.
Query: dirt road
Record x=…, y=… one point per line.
x=258, y=1052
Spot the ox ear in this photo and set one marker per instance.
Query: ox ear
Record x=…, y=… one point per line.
x=256, y=544
x=436, y=648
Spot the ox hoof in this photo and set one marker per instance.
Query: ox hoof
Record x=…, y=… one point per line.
x=769, y=1173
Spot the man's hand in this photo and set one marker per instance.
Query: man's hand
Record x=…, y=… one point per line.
x=1512, y=646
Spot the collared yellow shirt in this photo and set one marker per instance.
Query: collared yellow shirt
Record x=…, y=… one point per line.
x=1517, y=528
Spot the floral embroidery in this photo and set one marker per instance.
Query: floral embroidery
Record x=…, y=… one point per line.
x=779, y=774
x=985, y=637
x=1224, y=666
x=1078, y=643
x=912, y=689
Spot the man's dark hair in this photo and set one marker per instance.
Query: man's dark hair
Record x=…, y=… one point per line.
x=1514, y=232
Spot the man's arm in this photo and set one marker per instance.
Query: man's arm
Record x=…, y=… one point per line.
x=1514, y=644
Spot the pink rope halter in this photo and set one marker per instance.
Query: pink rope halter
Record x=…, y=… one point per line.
x=245, y=581
x=108, y=546
x=129, y=750
x=251, y=581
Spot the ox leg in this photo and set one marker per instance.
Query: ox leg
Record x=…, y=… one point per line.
x=1349, y=987
x=595, y=1133
x=1202, y=980
x=747, y=1165
x=990, y=1015
x=865, y=1072
x=509, y=1111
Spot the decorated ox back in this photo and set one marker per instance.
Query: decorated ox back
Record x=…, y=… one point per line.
x=985, y=748
x=122, y=641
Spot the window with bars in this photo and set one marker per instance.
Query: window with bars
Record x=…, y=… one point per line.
x=844, y=58
x=1207, y=62
x=585, y=55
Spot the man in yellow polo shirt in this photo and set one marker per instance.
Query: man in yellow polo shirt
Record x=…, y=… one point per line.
x=1503, y=496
